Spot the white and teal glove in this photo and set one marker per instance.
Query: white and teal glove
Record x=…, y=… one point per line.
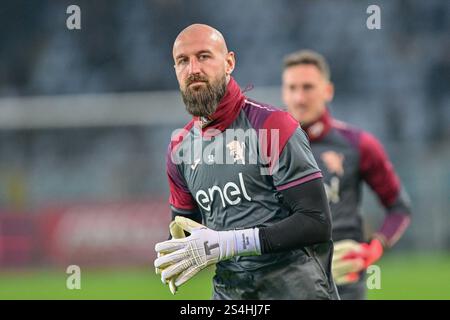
x=181, y=259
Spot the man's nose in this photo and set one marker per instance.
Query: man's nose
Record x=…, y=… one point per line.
x=194, y=66
x=300, y=97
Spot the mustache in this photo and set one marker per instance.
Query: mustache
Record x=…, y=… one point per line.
x=195, y=78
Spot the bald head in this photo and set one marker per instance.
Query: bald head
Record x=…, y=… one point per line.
x=200, y=50
x=203, y=66
x=200, y=33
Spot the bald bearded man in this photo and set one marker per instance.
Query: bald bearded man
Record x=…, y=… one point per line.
x=244, y=185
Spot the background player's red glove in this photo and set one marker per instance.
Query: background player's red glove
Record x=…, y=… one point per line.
x=351, y=257
x=371, y=252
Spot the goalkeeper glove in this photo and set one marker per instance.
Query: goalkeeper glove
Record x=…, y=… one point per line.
x=176, y=232
x=183, y=258
x=351, y=257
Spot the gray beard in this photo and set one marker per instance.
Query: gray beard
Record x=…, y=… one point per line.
x=204, y=102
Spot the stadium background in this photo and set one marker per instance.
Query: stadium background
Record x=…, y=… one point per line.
x=86, y=115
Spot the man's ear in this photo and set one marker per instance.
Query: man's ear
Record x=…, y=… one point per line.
x=230, y=63
x=329, y=92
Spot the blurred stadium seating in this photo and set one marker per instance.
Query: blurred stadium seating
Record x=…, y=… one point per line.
x=86, y=116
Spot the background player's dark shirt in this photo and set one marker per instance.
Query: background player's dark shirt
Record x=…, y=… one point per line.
x=348, y=157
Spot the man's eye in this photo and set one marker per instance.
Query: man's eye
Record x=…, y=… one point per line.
x=203, y=57
x=182, y=61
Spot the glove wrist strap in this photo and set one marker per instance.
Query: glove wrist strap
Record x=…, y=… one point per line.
x=247, y=242
x=243, y=242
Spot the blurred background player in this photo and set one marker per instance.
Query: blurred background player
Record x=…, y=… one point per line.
x=348, y=157
x=266, y=241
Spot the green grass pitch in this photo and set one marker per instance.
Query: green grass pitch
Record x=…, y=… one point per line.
x=403, y=276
